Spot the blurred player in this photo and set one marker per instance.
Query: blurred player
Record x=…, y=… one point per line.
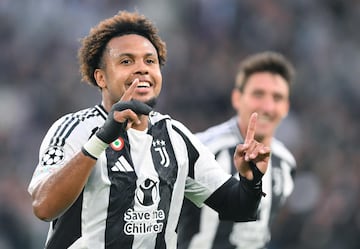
x=262, y=85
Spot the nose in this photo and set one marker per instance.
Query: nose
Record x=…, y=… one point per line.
x=268, y=104
x=141, y=68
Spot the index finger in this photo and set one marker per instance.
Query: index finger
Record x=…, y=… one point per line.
x=129, y=92
x=250, y=133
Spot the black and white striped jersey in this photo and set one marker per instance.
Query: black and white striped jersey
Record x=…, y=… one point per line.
x=210, y=233
x=134, y=194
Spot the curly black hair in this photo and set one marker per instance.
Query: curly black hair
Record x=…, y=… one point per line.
x=92, y=46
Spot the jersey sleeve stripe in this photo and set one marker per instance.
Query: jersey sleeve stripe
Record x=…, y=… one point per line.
x=68, y=125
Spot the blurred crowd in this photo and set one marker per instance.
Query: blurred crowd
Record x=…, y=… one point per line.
x=206, y=39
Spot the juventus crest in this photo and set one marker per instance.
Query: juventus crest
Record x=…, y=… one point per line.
x=159, y=147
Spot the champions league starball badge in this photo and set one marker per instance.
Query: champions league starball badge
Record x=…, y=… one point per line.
x=53, y=155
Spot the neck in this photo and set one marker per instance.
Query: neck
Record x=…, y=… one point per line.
x=107, y=105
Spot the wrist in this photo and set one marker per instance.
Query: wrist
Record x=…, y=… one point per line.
x=94, y=147
x=253, y=186
x=256, y=182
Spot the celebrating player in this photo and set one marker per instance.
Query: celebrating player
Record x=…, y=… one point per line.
x=115, y=175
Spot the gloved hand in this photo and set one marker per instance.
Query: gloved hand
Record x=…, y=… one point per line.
x=112, y=129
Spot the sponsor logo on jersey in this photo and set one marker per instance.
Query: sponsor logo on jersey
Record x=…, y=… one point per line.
x=118, y=144
x=52, y=156
x=143, y=222
x=147, y=219
x=122, y=165
x=147, y=193
x=159, y=146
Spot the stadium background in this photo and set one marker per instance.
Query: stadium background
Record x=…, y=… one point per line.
x=39, y=82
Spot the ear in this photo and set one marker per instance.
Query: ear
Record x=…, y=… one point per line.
x=235, y=98
x=99, y=76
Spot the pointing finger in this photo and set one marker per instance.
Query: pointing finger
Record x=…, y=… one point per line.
x=129, y=92
x=250, y=133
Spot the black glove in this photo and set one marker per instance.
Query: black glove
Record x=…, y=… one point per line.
x=112, y=129
x=256, y=182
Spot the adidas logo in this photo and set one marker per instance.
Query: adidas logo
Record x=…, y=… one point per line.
x=122, y=165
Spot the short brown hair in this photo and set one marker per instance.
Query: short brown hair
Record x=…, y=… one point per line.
x=92, y=46
x=268, y=61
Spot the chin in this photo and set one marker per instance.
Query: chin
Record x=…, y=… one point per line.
x=259, y=137
x=151, y=102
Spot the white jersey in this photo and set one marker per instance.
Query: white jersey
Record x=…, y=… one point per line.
x=210, y=233
x=134, y=194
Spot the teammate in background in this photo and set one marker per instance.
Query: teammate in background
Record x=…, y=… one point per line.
x=262, y=85
x=114, y=175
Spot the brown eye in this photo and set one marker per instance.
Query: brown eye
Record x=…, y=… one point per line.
x=258, y=94
x=278, y=97
x=150, y=61
x=127, y=61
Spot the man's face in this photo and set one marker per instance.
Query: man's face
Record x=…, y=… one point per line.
x=268, y=95
x=127, y=58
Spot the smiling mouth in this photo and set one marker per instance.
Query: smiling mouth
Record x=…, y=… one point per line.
x=143, y=84
x=264, y=118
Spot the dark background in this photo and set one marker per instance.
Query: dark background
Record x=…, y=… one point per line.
x=39, y=82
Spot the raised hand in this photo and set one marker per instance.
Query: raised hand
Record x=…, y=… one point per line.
x=122, y=115
x=112, y=129
x=251, y=152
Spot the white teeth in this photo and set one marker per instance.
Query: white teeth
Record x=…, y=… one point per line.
x=143, y=84
x=263, y=118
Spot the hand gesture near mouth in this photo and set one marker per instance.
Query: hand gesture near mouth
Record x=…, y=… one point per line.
x=124, y=114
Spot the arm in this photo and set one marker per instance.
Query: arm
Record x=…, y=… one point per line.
x=56, y=193
x=60, y=190
x=238, y=201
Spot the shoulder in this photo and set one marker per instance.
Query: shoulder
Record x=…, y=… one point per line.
x=78, y=124
x=280, y=150
x=90, y=113
x=83, y=115
x=223, y=135
x=158, y=119
x=177, y=131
